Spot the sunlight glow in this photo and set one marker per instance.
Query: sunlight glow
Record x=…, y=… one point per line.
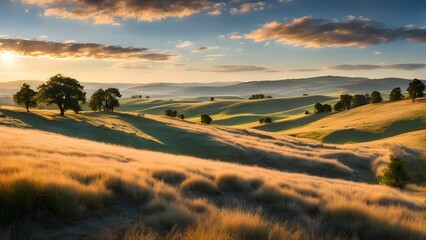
x=7, y=57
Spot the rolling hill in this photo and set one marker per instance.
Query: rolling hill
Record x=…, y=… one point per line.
x=57, y=187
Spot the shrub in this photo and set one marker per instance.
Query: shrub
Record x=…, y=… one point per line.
x=212, y=99
x=174, y=113
x=320, y=108
x=170, y=113
x=181, y=116
x=394, y=174
x=307, y=112
x=265, y=120
x=396, y=94
x=206, y=119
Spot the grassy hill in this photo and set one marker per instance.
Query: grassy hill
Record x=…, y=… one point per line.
x=248, y=147
x=237, y=113
x=57, y=187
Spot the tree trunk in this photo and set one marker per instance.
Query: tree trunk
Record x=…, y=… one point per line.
x=61, y=108
x=27, y=107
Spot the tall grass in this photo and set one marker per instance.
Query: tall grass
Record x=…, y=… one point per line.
x=95, y=189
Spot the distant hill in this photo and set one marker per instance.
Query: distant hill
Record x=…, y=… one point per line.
x=325, y=85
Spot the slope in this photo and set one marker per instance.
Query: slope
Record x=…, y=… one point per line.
x=56, y=187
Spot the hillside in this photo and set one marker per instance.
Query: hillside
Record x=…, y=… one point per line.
x=237, y=113
x=248, y=147
x=56, y=187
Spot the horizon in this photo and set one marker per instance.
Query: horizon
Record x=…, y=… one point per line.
x=209, y=41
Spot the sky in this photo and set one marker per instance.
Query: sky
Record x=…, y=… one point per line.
x=145, y=41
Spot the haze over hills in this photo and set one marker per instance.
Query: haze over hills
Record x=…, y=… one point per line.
x=325, y=85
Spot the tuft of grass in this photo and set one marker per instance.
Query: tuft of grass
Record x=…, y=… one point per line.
x=235, y=183
x=199, y=186
x=171, y=177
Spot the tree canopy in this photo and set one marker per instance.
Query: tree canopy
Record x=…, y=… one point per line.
x=415, y=89
x=65, y=92
x=376, y=97
x=346, y=101
x=26, y=97
x=96, y=102
x=396, y=94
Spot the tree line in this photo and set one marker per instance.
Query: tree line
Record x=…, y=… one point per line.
x=415, y=90
x=67, y=94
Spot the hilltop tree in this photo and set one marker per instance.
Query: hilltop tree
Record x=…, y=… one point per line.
x=396, y=94
x=212, y=99
x=415, y=89
x=26, y=97
x=111, y=99
x=339, y=106
x=394, y=174
x=65, y=92
x=376, y=97
x=96, y=102
x=206, y=119
x=346, y=101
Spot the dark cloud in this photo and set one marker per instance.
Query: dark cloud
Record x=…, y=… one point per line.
x=237, y=68
x=318, y=33
x=205, y=48
x=112, y=12
x=35, y=48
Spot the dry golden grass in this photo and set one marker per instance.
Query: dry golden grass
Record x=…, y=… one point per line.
x=76, y=188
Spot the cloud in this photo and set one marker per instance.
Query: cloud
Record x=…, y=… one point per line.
x=131, y=66
x=366, y=67
x=401, y=66
x=247, y=7
x=237, y=68
x=113, y=12
x=317, y=33
x=184, y=44
x=205, y=48
x=73, y=50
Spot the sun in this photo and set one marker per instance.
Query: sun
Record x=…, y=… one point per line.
x=7, y=57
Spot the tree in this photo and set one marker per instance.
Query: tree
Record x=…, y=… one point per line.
x=181, y=116
x=111, y=99
x=376, y=97
x=173, y=113
x=267, y=120
x=396, y=94
x=96, y=102
x=307, y=112
x=415, y=89
x=318, y=107
x=394, y=174
x=65, y=92
x=339, y=106
x=326, y=108
x=212, y=99
x=26, y=97
x=346, y=100
x=261, y=120
x=359, y=100
x=206, y=119
x=168, y=112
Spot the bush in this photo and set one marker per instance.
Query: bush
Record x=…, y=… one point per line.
x=170, y=113
x=319, y=108
x=339, y=106
x=265, y=120
x=307, y=113
x=206, y=119
x=394, y=174
x=181, y=116
x=376, y=97
x=212, y=99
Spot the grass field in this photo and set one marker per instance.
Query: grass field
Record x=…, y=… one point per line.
x=84, y=189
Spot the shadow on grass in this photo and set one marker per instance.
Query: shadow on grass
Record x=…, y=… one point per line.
x=354, y=135
x=294, y=123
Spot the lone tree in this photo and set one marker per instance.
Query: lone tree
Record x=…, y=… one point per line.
x=206, y=119
x=96, y=102
x=212, y=99
x=26, y=97
x=346, y=100
x=396, y=94
x=111, y=99
x=394, y=174
x=376, y=97
x=415, y=89
x=65, y=92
